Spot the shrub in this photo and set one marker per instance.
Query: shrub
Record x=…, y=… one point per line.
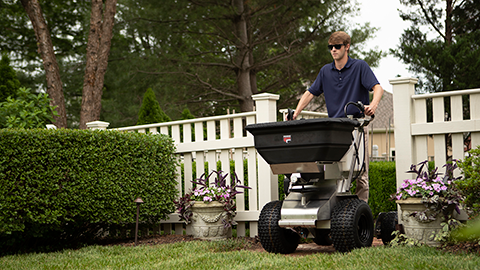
x=72, y=183
x=27, y=110
x=470, y=184
x=382, y=183
x=150, y=111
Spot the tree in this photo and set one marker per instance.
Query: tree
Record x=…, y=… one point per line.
x=68, y=22
x=27, y=110
x=9, y=84
x=45, y=49
x=189, y=52
x=101, y=25
x=98, y=49
x=451, y=59
x=150, y=111
x=213, y=56
x=186, y=114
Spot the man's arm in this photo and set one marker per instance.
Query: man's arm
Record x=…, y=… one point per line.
x=377, y=96
x=306, y=98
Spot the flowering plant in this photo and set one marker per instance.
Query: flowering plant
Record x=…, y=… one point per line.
x=439, y=194
x=219, y=191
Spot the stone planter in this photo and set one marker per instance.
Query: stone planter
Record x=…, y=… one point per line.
x=419, y=230
x=207, y=221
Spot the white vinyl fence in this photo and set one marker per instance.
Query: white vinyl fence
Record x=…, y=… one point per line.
x=448, y=128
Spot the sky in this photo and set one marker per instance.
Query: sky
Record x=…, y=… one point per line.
x=383, y=14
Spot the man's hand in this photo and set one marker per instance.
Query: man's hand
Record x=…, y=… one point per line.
x=306, y=98
x=377, y=96
x=370, y=109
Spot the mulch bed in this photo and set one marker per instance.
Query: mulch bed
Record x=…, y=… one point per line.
x=462, y=248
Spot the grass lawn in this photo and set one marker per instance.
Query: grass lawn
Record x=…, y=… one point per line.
x=224, y=255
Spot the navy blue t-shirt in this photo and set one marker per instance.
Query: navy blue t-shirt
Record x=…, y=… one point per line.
x=352, y=83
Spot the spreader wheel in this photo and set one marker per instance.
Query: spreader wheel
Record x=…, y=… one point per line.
x=351, y=225
x=385, y=226
x=272, y=237
x=322, y=237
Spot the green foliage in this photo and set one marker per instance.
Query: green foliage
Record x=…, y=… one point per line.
x=150, y=111
x=470, y=183
x=68, y=22
x=186, y=114
x=167, y=53
x=441, y=46
x=27, y=110
x=382, y=183
x=65, y=184
x=403, y=240
x=190, y=57
x=468, y=232
x=9, y=83
x=448, y=232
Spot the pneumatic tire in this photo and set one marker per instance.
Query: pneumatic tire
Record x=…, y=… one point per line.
x=322, y=237
x=386, y=223
x=352, y=225
x=272, y=237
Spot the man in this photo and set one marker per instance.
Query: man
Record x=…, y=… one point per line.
x=345, y=80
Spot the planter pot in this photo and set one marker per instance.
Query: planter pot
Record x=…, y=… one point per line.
x=207, y=221
x=419, y=230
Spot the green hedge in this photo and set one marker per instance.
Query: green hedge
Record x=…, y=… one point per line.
x=66, y=180
x=382, y=183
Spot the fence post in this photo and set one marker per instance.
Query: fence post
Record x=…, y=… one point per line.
x=475, y=115
x=97, y=125
x=266, y=108
x=403, y=113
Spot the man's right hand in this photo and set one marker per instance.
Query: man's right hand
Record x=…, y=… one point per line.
x=306, y=98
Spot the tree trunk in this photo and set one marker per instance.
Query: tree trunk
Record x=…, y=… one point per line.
x=243, y=59
x=52, y=71
x=98, y=49
x=448, y=23
x=447, y=80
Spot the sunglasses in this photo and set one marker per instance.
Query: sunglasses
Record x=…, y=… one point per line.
x=336, y=46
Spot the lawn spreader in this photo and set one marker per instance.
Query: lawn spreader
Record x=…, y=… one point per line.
x=319, y=158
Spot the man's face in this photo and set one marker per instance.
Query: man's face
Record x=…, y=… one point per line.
x=339, y=54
